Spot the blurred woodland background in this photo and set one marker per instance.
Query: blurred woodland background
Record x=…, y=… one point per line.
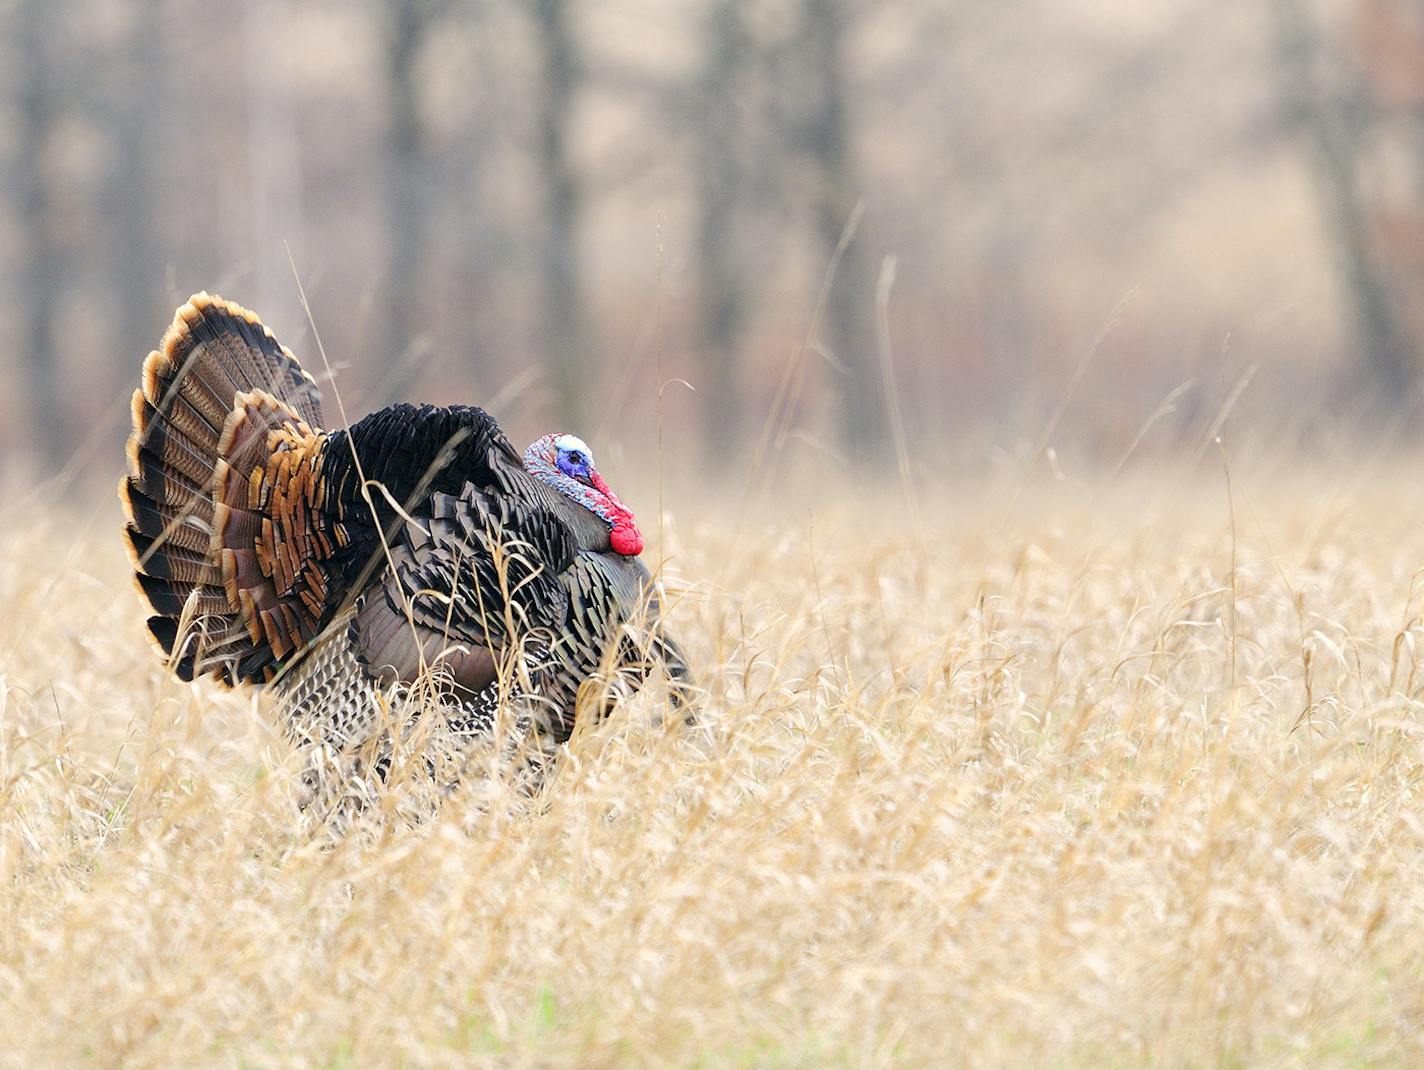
x=552, y=207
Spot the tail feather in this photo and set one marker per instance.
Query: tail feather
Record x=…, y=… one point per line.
x=197, y=387
x=173, y=451
x=178, y=420
x=190, y=526
x=244, y=350
x=189, y=376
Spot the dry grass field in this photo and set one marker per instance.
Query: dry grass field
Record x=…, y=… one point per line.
x=1059, y=775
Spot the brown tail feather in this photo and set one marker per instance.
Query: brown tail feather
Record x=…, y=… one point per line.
x=200, y=388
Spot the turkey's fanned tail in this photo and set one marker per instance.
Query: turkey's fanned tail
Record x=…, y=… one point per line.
x=223, y=497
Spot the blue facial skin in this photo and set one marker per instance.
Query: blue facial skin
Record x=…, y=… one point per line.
x=574, y=464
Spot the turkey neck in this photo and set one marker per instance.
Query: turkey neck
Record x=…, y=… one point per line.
x=591, y=531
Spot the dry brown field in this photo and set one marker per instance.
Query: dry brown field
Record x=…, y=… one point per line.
x=1054, y=773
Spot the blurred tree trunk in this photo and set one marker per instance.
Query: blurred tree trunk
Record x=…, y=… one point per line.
x=559, y=266
x=274, y=155
x=1379, y=329
x=42, y=281
x=836, y=192
x=1009, y=312
x=137, y=265
x=721, y=265
x=407, y=191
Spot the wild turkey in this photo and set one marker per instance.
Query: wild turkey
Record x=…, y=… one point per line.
x=341, y=568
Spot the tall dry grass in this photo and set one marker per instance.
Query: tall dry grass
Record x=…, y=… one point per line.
x=1065, y=777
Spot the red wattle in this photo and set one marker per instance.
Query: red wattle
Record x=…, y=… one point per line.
x=625, y=538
